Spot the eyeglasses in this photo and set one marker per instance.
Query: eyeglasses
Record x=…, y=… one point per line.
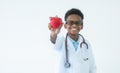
x=74, y=22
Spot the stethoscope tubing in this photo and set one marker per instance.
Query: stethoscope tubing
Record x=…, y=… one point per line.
x=67, y=64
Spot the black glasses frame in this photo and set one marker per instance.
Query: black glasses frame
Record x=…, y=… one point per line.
x=74, y=22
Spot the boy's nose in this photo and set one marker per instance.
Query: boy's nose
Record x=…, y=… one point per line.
x=74, y=24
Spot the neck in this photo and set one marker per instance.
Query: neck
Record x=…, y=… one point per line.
x=74, y=37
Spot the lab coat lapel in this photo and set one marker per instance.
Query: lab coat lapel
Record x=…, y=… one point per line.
x=70, y=45
x=79, y=48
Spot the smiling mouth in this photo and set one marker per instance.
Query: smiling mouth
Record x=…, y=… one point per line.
x=74, y=29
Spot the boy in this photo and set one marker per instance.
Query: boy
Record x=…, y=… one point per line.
x=76, y=52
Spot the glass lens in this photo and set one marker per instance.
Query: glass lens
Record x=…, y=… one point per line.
x=74, y=22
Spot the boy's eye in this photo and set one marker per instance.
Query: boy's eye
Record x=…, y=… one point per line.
x=74, y=22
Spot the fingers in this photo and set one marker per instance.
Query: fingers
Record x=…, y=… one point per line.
x=49, y=26
x=61, y=25
x=57, y=30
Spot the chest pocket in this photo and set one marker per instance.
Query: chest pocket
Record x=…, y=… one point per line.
x=84, y=54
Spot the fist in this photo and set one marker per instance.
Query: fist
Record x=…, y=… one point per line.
x=55, y=22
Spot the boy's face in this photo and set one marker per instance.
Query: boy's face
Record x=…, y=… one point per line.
x=74, y=24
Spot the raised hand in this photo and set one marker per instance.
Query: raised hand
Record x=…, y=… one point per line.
x=54, y=32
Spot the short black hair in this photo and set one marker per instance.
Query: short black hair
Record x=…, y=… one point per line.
x=73, y=11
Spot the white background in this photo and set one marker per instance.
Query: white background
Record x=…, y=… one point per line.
x=24, y=34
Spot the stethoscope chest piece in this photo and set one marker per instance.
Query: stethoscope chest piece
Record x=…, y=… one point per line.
x=67, y=65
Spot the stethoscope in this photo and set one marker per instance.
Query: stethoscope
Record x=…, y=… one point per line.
x=67, y=63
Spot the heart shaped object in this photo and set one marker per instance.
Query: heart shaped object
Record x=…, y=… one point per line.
x=55, y=22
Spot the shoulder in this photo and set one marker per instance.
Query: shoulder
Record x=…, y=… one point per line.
x=90, y=49
x=84, y=39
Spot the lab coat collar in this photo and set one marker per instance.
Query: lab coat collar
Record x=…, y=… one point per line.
x=70, y=44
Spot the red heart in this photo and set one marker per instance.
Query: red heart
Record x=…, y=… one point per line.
x=55, y=22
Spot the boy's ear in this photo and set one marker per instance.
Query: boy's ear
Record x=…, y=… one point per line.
x=82, y=27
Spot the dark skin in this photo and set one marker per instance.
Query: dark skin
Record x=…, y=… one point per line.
x=73, y=26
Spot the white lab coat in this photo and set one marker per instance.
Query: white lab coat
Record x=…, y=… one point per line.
x=76, y=58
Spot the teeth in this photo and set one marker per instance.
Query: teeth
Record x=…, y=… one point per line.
x=74, y=29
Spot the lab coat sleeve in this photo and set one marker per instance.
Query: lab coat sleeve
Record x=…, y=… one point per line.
x=92, y=60
x=59, y=43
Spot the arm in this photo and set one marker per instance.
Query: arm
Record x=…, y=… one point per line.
x=92, y=63
x=92, y=60
x=53, y=38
